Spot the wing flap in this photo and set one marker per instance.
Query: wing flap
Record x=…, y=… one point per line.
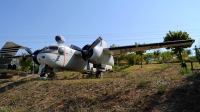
x=134, y=48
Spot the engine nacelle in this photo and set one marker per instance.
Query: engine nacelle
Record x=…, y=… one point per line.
x=98, y=57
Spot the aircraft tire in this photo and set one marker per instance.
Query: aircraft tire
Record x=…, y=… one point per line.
x=9, y=66
x=51, y=75
x=42, y=75
x=14, y=67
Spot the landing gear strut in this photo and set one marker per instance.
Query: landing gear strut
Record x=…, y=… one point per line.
x=98, y=74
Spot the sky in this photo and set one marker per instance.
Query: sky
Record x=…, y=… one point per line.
x=35, y=23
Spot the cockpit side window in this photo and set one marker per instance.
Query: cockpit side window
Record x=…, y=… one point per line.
x=53, y=47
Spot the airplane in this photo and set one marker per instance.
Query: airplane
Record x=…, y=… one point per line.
x=90, y=58
x=9, y=49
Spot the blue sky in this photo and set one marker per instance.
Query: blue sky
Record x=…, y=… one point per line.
x=35, y=23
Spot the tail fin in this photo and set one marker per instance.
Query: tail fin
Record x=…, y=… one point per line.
x=9, y=49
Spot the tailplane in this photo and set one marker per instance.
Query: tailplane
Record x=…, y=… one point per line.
x=9, y=49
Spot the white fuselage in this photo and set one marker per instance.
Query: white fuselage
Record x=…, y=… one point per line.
x=70, y=60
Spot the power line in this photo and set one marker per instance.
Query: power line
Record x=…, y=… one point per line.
x=92, y=35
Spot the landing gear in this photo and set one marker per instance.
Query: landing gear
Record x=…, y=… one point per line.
x=42, y=75
x=47, y=72
x=99, y=74
x=48, y=75
x=51, y=75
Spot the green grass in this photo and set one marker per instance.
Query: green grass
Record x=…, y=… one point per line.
x=185, y=71
x=164, y=66
x=5, y=110
x=117, y=91
x=161, y=90
x=143, y=84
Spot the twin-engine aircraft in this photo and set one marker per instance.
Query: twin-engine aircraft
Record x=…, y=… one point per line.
x=8, y=50
x=89, y=59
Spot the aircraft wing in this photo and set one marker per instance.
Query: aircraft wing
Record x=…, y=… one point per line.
x=142, y=47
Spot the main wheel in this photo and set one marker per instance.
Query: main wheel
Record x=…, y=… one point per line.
x=43, y=74
x=51, y=75
x=99, y=74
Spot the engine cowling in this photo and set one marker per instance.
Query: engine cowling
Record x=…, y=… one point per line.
x=98, y=57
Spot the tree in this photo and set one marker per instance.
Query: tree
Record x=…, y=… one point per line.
x=165, y=56
x=189, y=52
x=157, y=55
x=25, y=64
x=179, y=35
x=140, y=53
x=132, y=58
x=148, y=57
x=113, y=45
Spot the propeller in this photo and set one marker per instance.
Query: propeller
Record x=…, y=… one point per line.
x=29, y=51
x=87, y=51
x=34, y=56
x=75, y=47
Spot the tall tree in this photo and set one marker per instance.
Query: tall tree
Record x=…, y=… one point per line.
x=177, y=35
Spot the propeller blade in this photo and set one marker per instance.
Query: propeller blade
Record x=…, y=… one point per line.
x=29, y=50
x=75, y=47
x=96, y=42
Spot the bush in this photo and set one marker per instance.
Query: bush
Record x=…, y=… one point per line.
x=117, y=68
x=124, y=67
x=184, y=71
x=66, y=76
x=114, y=68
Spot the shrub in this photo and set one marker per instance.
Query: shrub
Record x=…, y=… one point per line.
x=114, y=68
x=124, y=67
x=66, y=76
x=184, y=71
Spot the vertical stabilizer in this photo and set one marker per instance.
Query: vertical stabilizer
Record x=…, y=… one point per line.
x=9, y=49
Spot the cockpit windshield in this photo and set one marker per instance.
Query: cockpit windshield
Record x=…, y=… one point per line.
x=53, y=47
x=50, y=48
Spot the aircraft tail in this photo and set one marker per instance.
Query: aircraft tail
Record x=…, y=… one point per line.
x=9, y=49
